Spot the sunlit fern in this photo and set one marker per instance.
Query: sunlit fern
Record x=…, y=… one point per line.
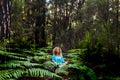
x=49, y=65
x=37, y=72
x=62, y=71
x=12, y=55
x=8, y=74
x=41, y=72
x=75, y=70
x=20, y=65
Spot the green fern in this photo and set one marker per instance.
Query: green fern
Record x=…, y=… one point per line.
x=18, y=64
x=12, y=55
x=17, y=73
x=25, y=65
x=72, y=55
x=49, y=65
x=4, y=74
x=8, y=53
x=90, y=73
x=73, y=66
x=16, y=57
x=82, y=71
x=38, y=58
x=45, y=49
x=62, y=70
x=40, y=72
x=8, y=74
x=29, y=64
x=10, y=64
x=74, y=59
x=77, y=50
x=40, y=53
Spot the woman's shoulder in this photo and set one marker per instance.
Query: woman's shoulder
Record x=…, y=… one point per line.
x=56, y=56
x=53, y=55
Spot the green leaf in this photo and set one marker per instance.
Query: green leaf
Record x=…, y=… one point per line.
x=40, y=73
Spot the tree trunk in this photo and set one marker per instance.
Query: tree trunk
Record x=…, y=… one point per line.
x=1, y=25
x=40, y=38
x=5, y=8
x=117, y=25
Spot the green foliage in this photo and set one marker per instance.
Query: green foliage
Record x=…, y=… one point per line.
x=82, y=72
x=25, y=64
x=12, y=55
x=62, y=71
x=87, y=24
x=49, y=65
x=86, y=41
x=41, y=73
x=75, y=69
x=8, y=74
x=76, y=72
x=20, y=64
x=3, y=43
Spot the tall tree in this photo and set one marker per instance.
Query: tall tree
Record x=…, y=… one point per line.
x=28, y=23
x=5, y=7
x=40, y=38
x=63, y=15
x=117, y=25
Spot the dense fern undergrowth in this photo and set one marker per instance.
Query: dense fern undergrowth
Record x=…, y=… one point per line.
x=37, y=65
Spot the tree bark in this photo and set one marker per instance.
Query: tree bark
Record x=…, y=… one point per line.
x=40, y=38
x=117, y=25
x=5, y=8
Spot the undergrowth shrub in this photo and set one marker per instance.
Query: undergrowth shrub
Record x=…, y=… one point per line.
x=21, y=65
x=37, y=65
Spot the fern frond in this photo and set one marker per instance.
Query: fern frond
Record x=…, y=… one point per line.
x=77, y=50
x=4, y=74
x=41, y=73
x=9, y=53
x=61, y=70
x=73, y=55
x=13, y=55
x=8, y=74
x=45, y=49
x=79, y=67
x=49, y=65
x=29, y=64
x=48, y=57
x=17, y=63
x=38, y=58
x=17, y=73
x=73, y=66
x=28, y=52
x=10, y=64
x=91, y=74
x=40, y=53
x=16, y=57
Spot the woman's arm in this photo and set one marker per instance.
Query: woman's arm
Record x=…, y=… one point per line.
x=62, y=59
x=53, y=58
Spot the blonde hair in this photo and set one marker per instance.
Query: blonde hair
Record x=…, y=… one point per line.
x=57, y=51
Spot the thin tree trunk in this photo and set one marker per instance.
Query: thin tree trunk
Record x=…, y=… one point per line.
x=40, y=38
x=1, y=20
x=117, y=25
x=54, y=28
x=5, y=8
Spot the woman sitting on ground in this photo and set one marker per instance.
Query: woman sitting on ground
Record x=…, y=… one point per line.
x=57, y=57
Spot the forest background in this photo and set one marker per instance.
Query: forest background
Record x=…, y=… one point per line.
x=88, y=31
